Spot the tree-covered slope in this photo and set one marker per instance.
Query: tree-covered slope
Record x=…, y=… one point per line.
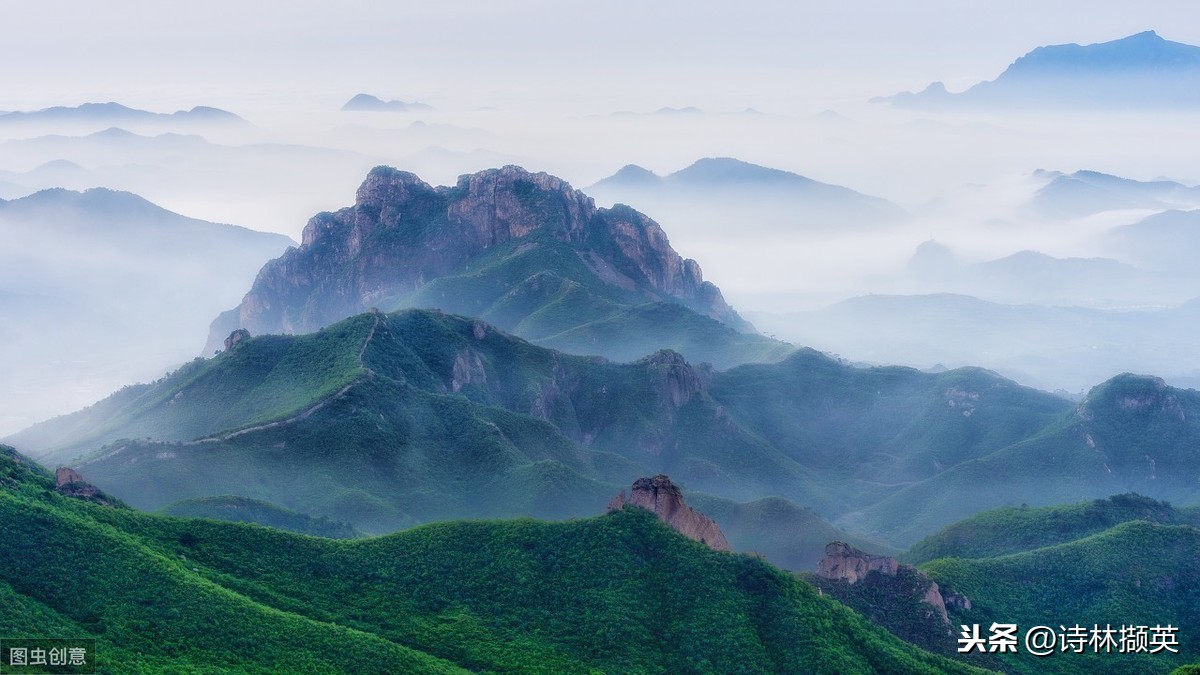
x=871, y=432
x=388, y=420
x=1136, y=573
x=66, y=573
x=1016, y=529
x=1131, y=434
x=245, y=510
x=620, y=593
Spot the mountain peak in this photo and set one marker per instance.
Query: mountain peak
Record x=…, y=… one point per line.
x=729, y=169
x=112, y=111
x=633, y=174
x=367, y=102
x=1138, y=70
x=664, y=499
x=405, y=243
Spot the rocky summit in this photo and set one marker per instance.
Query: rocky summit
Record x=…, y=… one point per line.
x=523, y=250
x=662, y=497
x=843, y=562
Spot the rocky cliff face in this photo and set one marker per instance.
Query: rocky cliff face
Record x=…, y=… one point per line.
x=402, y=233
x=665, y=500
x=843, y=562
x=70, y=483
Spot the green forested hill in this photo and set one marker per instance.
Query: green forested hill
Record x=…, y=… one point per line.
x=1132, y=433
x=619, y=594
x=1015, y=529
x=1135, y=573
x=388, y=420
x=1122, y=561
x=245, y=510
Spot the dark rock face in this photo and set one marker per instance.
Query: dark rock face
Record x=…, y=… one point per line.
x=662, y=497
x=64, y=475
x=402, y=233
x=843, y=562
x=69, y=483
x=236, y=337
x=673, y=379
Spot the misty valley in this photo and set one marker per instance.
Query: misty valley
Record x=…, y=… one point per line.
x=376, y=383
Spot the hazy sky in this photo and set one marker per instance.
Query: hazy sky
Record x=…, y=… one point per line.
x=620, y=54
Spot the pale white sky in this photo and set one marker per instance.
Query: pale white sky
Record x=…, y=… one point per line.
x=623, y=54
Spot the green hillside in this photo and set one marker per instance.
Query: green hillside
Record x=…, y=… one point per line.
x=1131, y=434
x=1016, y=529
x=385, y=421
x=244, y=510
x=620, y=594
x=543, y=290
x=1135, y=573
x=389, y=420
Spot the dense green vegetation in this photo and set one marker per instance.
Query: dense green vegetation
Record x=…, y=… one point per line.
x=1131, y=434
x=244, y=510
x=1016, y=529
x=389, y=420
x=1122, y=561
x=896, y=602
x=620, y=594
x=544, y=290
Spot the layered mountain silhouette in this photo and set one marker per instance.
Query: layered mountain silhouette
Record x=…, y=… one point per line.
x=112, y=285
x=270, y=185
x=1165, y=241
x=369, y=103
x=116, y=114
x=1139, y=71
x=1084, y=193
x=523, y=251
x=1049, y=347
x=763, y=199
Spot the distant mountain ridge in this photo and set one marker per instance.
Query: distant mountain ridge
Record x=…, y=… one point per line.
x=367, y=102
x=112, y=282
x=1049, y=347
x=524, y=251
x=141, y=223
x=1084, y=193
x=761, y=192
x=1138, y=71
x=116, y=113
